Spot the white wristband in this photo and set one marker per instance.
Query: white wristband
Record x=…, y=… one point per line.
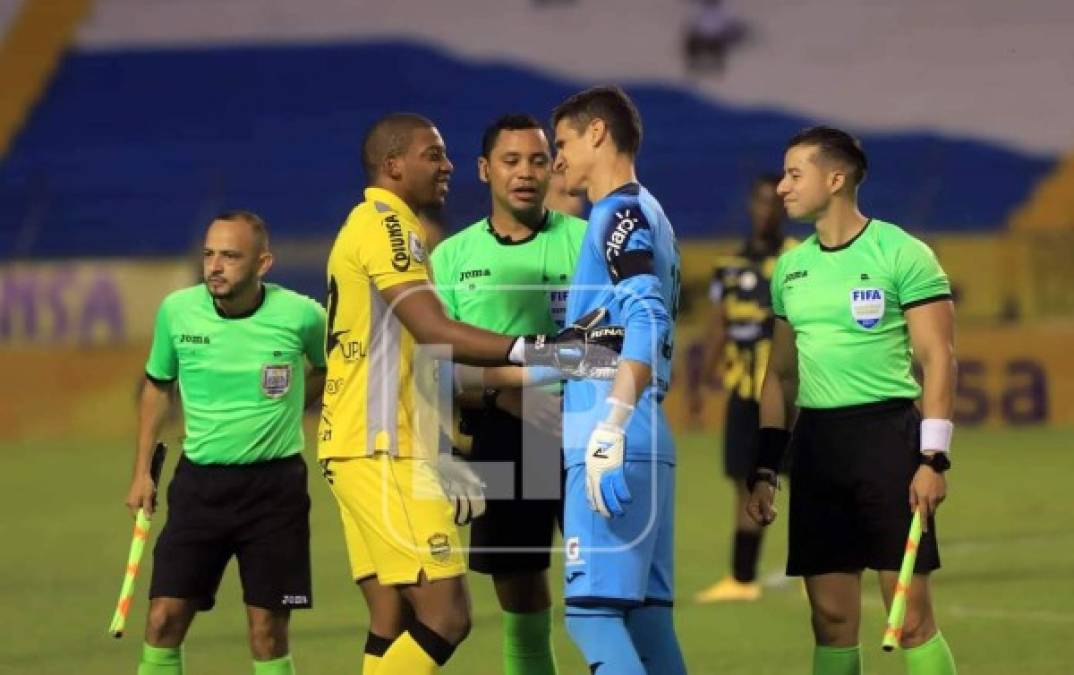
x=936, y=435
x=518, y=351
x=618, y=413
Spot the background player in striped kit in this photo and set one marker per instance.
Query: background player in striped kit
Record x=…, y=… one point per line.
x=736, y=354
x=853, y=302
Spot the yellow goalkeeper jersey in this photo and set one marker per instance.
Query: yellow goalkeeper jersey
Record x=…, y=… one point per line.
x=371, y=400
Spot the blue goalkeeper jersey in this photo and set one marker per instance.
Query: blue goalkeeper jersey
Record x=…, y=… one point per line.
x=629, y=263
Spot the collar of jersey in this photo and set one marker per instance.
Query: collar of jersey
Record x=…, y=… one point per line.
x=245, y=315
x=631, y=188
x=508, y=241
x=845, y=244
x=377, y=194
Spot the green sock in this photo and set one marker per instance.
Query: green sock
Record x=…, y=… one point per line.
x=837, y=660
x=527, y=644
x=281, y=666
x=161, y=661
x=932, y=658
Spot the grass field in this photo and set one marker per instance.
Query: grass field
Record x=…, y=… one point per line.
x=1004, y=596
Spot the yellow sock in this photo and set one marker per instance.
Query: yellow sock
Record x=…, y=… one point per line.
x=375, y=648
x=370, y=664
x=406, y=657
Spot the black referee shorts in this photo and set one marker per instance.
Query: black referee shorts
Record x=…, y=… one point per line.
x=850, y=490
x=258, y=513
x=516, y=535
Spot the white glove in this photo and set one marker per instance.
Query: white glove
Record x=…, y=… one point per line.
x=462, y=487
x=605, y=481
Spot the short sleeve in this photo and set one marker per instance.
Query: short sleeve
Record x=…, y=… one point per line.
x=313, y=334
x=776, y=287
x=919, y=279
x=392, y=251
x=443, y=275
x=162, y=365
x=626, y=241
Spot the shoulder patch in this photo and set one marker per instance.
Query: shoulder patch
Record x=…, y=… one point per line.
x=417, y=249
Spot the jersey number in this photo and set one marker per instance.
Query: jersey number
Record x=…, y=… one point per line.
x=330, y=338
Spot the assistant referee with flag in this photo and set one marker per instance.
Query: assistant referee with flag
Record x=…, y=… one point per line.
x=248, y=357
x=852, y=303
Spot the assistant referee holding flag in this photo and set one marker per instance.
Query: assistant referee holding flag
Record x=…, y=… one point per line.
x=853, y=302
x=239, y=350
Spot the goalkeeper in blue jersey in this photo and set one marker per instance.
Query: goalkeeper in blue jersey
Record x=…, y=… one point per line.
x=618, y=450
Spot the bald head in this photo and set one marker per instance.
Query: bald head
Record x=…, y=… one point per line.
x=390, y=136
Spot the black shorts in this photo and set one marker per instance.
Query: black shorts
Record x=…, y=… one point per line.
x=741, y=436
x=516, y=534
x=850, y=490
x=258, y=513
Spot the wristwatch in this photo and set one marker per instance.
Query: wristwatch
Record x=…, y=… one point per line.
x=488, y=397
x=937, y=461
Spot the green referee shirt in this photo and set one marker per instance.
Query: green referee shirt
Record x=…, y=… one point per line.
x=242, y=379
x=512, y=287
x=846, y=306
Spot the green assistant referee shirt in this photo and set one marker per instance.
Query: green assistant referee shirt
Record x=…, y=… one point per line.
x=846, y=306
x=514, y=287
x=242, y=379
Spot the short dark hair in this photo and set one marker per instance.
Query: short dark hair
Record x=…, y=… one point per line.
x=256, y=222
x=511, y=122
x=835, y=144
x=763, y=179
x=609, y=103
x=389, y=137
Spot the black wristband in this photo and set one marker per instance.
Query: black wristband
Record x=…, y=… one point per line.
x=773, y=443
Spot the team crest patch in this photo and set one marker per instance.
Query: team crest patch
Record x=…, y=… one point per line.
x=417, y=249
x=573, y=550
x=867, y=306
x=440, y=547
x=275, y=380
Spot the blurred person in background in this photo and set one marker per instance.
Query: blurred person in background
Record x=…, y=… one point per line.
x=738, y=340
x=238, y=349
x=853, y=303
x=712, y=32
x=509, y=273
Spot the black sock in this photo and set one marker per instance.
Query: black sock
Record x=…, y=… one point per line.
x=744, y=553
x=377, y=645
x=439, y=649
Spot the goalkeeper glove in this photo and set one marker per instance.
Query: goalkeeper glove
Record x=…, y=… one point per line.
x=605, y=479
x=581, y=349
x=462, y=487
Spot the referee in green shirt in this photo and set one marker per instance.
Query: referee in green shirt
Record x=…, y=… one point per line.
x=853, y=302
x=239, y=350
x=509, y=273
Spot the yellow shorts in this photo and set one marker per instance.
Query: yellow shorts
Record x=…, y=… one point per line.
x=396, y=520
